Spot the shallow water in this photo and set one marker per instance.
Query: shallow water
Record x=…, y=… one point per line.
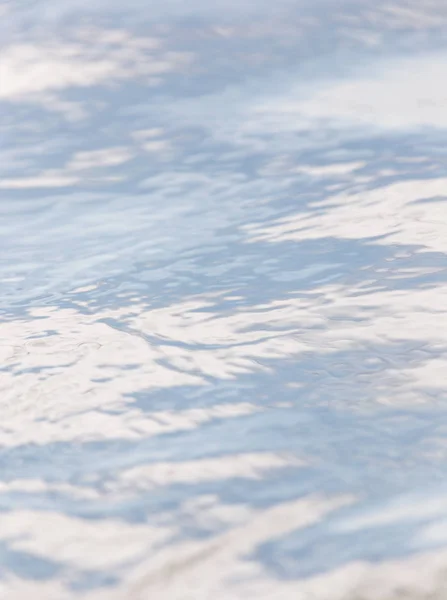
x=223, y=356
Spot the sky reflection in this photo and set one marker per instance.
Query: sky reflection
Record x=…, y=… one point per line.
x=222, y=273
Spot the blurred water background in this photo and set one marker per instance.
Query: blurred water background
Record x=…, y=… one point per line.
x=223, y=289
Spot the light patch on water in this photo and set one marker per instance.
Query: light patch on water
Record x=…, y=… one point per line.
x=400, y=93
x=45, y=180
x=407, y=213
x=250, y=465
x=35, y=70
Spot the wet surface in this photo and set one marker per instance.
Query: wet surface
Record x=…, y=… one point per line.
x=223, y=357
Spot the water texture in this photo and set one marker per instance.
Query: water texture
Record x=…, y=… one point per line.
x=223, y=291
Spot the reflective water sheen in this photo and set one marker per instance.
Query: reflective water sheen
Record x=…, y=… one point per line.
x=223, y=290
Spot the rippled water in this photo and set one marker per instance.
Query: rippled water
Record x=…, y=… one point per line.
x=223, y=288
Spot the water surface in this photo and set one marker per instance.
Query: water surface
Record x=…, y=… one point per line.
x=223, y=356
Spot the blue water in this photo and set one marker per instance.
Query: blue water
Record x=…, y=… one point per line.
x=223, y=355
